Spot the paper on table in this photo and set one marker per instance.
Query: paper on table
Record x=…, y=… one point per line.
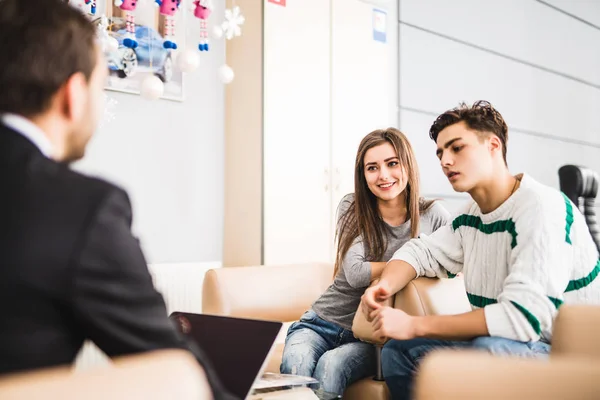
x=271, y=380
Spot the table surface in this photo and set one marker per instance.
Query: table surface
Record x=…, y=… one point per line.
x=293, y=393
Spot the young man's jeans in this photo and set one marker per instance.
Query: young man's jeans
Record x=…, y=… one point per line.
x=400, y=358
x=329, y=353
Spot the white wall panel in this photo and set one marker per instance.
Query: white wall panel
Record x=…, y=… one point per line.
x=587, y=10
x=297, y=132
x=525, y=29
x=447, y=72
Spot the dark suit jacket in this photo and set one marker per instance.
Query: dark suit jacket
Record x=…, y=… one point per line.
x=70, y=268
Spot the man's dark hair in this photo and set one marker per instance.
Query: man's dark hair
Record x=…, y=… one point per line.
x=480, y=117
x=42, y=44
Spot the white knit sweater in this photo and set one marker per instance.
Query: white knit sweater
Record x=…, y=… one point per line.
x=520, y=262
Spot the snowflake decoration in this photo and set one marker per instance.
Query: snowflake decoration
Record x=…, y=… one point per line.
x=103, y=24
x=109, y=113
x=233, y=20
x=102, y=34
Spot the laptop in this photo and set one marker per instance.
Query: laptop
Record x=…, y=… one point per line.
x=237, y=348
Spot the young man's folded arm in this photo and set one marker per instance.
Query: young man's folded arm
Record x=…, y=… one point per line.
x=437, y=255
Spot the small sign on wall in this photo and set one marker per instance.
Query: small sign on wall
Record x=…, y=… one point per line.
x=379, y=25
x=278, y=2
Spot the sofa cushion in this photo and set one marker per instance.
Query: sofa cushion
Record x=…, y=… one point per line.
x=277, y=293
x=367, y=388
x=468, y=374
x=576, y=331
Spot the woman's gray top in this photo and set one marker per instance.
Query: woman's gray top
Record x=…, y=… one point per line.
x=340, y=301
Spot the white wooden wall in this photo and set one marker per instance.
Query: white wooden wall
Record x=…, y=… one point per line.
x=327, y=83
x=538, y=62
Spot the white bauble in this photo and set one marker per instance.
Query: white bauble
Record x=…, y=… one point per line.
x=226, y=74
x=188, y=60
x=152, y=88
x=217, y=32
x=112, y=44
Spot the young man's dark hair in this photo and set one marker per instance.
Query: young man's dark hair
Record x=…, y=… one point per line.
x=42, y=46
x=480, y=117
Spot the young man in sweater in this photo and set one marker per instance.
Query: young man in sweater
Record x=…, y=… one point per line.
x=524, y=249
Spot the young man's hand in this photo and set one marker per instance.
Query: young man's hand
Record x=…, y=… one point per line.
x=393, y=324
x=373, y=298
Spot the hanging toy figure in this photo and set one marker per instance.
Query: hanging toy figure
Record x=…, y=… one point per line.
x=92, y=4
x=202, y=12
x=128, y=7
x=168, y=8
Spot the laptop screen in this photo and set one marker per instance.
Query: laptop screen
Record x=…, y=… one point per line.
x=237, y=348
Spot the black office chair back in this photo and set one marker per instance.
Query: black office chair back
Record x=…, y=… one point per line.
x=580, y=184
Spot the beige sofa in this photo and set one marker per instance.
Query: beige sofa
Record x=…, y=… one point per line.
x=283, y=293
x=165, y=374
x=277, y=293
x=573, y=371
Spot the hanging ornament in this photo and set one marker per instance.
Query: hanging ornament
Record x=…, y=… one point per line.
x=202, y=12
x=152, y=88
x=92, y=4
x=112, y=44
x=168, y=8
x=226, y=74
x=217, y=32
x=233, y=20
x=109, y=43
x=128, y=7
x=81, y=6
x=188, y=60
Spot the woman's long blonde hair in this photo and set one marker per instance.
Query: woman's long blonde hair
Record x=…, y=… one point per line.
x=363, y=218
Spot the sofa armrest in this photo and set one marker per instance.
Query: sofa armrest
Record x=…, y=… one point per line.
x=162, y=374
x=271, y=292
x=433, y=296
x=422, y=296
x=452, y=374
x=570, y=338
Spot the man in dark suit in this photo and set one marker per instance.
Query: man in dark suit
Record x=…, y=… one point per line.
x=70, y=268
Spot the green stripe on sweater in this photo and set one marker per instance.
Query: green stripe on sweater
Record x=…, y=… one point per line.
x=568, y=218
x=583, y=282
x=533, y=321
x=480, y=301
x=506, y=225
x=557, y=302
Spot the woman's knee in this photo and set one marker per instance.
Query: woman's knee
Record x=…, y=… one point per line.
x=339, y=367
x=301, y=352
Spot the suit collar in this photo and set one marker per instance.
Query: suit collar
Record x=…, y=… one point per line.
x=29, y=131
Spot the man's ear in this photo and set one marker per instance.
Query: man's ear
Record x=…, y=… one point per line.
x=494, y=143
x=74, y=97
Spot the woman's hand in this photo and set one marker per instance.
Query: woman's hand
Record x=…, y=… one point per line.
x=374, y=297
x=393, y=324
